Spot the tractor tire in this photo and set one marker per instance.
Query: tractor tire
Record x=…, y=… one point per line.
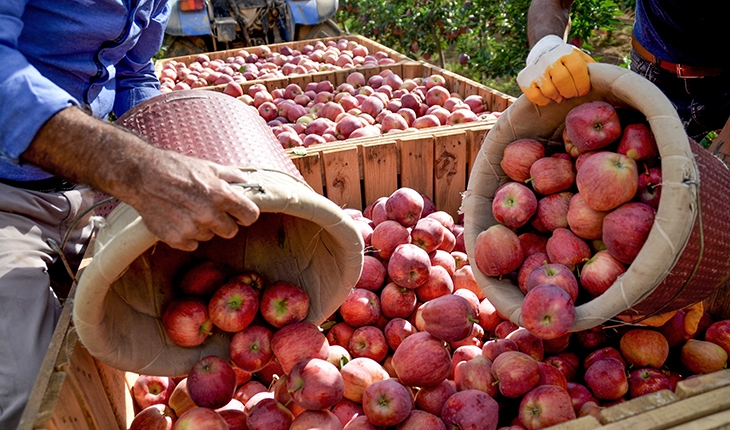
x=179, y=46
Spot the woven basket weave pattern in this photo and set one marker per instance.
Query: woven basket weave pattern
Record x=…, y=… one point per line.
x=707, y=251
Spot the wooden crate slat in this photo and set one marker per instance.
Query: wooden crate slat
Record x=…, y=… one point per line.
x=449, y=171
x=342, y=177
x=583, y=423
x=637, y=406
x=310, y=167
x=69, y=413
x=718, y=421
x=116, y=385
x=703, y=383
x=84, y=379
x=417, y=163
x=380, y=170
x=679, y=412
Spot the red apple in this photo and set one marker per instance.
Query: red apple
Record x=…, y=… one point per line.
x=439, y=283
x=545, y=406
x=340, y=334
x=719, y=333
x=443, y=259
x=516, y=373
x=638, y=142
x=528, y=343
x=409, y=266
x=647, y=380
x=284, y=303
x=432, y=399
x=428, y=233
x=626, y=229
x=592, y=125
x=564, y=247
x=315, y=384
x=607, y=180
x=585, y=222
x=320, y=420
x=186, y=321
x=552, y=210
x=200, y=418
x=531, y=263
x=475, y=374
x=532, y=243
x=397, y=301
x=580, y=395
x=396, y=330
x=361, y=307
x=644, y=348
x=556, y=274
x=550, y=175
x=269, y=414
x=346, y=410
x=606, y=378
x=426, y=121
x=154, y=417
x=649, y=190
x=180, y=400
x=149, y=390
x=358, y=374
x=449, y=317
x=600, y=272
x=470, y=409
x=202, y=279
x=387, y=236
x=368, y=341
x=250, y=348
x=418, y=420
x=564, y=366
x=701, y=356
x=518, y=157
x=298, y=341
x=234, y=305
x=493, y=347
x=498, y=251
x=211, y=382
x=422, y=360
x=551, y=375
x=387, y=402
x=405, y=205
x=600, y=354
x=513, y=204
x=461, y=115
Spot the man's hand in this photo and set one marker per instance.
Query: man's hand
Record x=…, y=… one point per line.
x=555, y=71
x=185, y=200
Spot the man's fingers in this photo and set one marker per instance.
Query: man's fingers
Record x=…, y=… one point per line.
x=536, y=96
x=563, y=80
x=577, y=65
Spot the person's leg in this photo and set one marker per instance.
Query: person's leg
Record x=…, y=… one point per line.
x=29, y=309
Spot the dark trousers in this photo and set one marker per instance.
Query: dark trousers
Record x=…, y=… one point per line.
x=703, y=104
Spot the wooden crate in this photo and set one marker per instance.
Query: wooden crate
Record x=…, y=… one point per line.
x=436, y=162
x=73, y=390
x=372, y=46
x=699, y=403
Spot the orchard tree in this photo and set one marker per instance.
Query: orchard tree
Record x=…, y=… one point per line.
x=491, y=34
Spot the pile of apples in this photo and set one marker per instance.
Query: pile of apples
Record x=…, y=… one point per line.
x=416, y=345
x=360, y=107
x=571, y=220
x=260, y=62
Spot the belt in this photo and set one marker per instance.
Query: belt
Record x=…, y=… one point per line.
x=681, y=70
x=53, y=184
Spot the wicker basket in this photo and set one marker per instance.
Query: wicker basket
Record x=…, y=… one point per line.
x=685, y=258
x=300, y=237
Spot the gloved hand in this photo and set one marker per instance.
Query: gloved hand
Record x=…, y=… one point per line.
x=555, y=71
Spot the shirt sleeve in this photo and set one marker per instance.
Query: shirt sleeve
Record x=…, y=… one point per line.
x=27, y=98
x=136, y=80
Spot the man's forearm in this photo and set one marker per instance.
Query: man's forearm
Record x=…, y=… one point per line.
x=83, y=149
x=546, y=17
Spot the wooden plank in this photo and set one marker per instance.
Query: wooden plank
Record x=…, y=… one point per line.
x=582, y=423
x=475, y=138
x=83, y=378
x=637, y=406
x=417, y=161
x=718, y=421
x=310, y=166
x=676, y=413
x=449, y=170
x=119, y=391
x=702, y=384
x=342, y=177
x=70, y=414
x=380, y=170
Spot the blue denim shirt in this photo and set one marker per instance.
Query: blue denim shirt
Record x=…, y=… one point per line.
x=57, y=53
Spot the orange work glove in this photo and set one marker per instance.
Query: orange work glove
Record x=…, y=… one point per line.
x=692, y=316
x=555, y=71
